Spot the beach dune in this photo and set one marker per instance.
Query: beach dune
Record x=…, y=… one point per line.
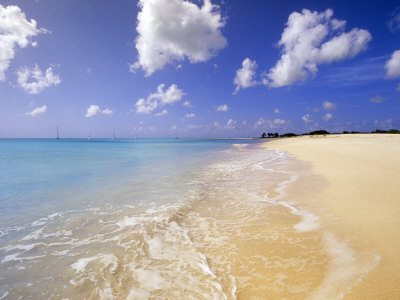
x=362, y=196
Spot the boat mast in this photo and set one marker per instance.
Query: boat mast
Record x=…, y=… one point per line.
x=57, y=135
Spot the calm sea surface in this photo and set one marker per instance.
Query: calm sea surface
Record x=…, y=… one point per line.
x=56, y=197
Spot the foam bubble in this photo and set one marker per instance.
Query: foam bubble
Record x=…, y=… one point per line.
x=148, y=280
x=82, y=263
x=346, y=268
x=309, y=221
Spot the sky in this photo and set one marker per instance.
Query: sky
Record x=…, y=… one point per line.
x=212, y=68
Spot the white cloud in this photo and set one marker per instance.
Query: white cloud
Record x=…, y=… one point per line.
x=377, y=99
x=33, y=81
x=162, y=113
x=37, y=111
x=328, y=105
x=170, y=96
x=15, y=31
x=106, y=111
x=245, y=76
x=174, y=30
x=327, y=117
x=94, y=110
x=187, y=104
x=393, y=65
x=307, y=118
x=394, y=21
x=223, y=108
x=146, y=106
x=312, y=38
x=190, y=116
x=277, y=111
x=261, y=122
x=279, y=122
x=231, y=124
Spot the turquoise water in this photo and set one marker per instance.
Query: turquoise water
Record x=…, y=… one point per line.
x=38, y=176
x=61, y=200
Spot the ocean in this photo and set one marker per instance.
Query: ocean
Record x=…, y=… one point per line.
x=162, y=219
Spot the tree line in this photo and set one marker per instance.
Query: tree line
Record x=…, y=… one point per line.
x=323, y=132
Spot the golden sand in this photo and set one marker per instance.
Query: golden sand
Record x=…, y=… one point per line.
x=362, y=196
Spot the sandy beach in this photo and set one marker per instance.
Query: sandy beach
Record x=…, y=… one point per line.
x=360, y=201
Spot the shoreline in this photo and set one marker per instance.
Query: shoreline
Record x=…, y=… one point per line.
x=362, y=194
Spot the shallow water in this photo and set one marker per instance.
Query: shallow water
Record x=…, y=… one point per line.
x=164, y=219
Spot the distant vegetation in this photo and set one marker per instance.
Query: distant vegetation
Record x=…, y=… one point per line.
x=386, y=131
x=350, y=132
x=317, y=132
x=289, y=134
x=324, y=132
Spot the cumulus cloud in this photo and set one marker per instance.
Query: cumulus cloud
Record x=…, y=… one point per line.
x=190, y=116
x=394, y=21
x=231, y=124
x=216, y=124
x=33, y=80
x=327, y=117
x=310, y=39
x=172, y=30
x=37, y=111
x=377, y=99
x=15, y=31
x=261, y=122
x=160, y=98
x=94, y=110
x=162, y=113
x=223, y=108
x=187, y=104
x=307, y=118
x=245, y=76
x=277, y=111
x=393, y=65
x=106, y=111
x=328, y=105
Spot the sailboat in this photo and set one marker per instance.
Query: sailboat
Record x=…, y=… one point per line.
x=113, y=137
x=90, y=136
x=57, y=135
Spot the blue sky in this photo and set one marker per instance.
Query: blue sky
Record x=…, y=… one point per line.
x=166, y=68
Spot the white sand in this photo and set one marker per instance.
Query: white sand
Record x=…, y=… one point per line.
x=363, y=174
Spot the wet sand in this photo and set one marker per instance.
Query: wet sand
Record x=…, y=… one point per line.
x=362, y=199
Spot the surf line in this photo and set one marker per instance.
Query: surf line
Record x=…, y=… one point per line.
x=309, y=221
x=352, y=265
